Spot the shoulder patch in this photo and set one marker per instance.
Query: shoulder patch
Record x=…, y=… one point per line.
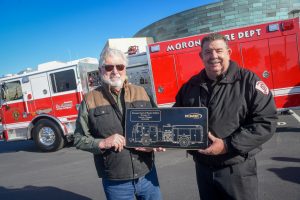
x=261, y=86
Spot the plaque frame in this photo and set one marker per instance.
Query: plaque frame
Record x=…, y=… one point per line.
x=178, y=127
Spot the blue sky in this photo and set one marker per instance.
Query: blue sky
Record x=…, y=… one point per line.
x=38, y=31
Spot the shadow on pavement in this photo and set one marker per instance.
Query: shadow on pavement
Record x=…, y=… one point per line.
x=23, y=145
x=286, y=159
x=38, y=193
x=15, y=146
x=287, y=129
x=291, y=174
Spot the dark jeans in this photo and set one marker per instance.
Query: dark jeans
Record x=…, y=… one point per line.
x=233, y=182
x=143, y=188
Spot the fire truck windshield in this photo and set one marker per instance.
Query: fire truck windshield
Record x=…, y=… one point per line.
x=11, y=91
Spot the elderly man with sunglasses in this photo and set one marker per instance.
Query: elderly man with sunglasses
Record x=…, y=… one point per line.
x=126, y=173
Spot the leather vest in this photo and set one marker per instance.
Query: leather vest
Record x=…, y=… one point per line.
x=104, y=121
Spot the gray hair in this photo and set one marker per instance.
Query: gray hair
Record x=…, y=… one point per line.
x=110, y=52
x=212, y=37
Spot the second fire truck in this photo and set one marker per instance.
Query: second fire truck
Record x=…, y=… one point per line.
x=42, y=104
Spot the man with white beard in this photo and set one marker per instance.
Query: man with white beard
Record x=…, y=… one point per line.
x=126, y=173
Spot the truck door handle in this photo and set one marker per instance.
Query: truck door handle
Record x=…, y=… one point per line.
x=160, y=89
x=266, y=74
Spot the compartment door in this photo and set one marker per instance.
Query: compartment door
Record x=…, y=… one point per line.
x=256, y=57
x=284, y=55
x=165, y=79
x=41, y=101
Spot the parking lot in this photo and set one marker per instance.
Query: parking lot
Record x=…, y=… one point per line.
x=26, y=173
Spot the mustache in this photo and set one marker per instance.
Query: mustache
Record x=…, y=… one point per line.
x=214, y=61
x=115, y=76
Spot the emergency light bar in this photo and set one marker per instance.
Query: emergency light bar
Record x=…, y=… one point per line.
x=285, y=26
x=273, y=27
x=154, y=48
x=288, y=25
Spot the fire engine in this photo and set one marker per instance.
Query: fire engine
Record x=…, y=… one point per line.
x=271, y=50
x=42, y=104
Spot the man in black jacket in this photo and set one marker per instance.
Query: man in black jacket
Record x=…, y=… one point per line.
x=126, y=173
x=241, y=117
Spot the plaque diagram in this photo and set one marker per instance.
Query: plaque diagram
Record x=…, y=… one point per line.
x=179, y=135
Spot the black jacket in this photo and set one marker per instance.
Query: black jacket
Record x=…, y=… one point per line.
x=241, y=111
x=97, y=120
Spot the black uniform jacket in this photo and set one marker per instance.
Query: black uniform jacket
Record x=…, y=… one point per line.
x=97, y=120
x=241, y=111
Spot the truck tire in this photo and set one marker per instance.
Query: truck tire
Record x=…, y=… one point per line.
x=146, y=140
x=48, y=136
x=184, y=141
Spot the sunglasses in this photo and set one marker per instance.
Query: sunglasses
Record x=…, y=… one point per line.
x=109, y=68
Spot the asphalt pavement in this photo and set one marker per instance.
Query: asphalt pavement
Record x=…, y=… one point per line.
x=69, y=174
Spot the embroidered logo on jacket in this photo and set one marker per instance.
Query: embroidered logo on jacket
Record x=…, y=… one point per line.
x=261, y=86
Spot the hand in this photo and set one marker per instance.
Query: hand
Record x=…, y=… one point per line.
x=159, y=149
x=144, y=149
x=216, y=148
x=116, y=140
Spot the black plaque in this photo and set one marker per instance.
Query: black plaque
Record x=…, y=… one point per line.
x=184, y=128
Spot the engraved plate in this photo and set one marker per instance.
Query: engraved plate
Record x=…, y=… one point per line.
x=184, y=128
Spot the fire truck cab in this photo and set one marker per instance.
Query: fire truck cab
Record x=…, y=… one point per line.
x=42, y=104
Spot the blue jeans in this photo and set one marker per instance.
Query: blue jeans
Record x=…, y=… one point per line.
x=143, y=188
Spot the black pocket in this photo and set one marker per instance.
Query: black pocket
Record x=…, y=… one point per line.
x=102, y=111
x=103, y=120
x=140, y=104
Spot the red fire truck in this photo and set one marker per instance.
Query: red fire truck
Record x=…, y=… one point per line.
x=42, y=104
x=271, y=50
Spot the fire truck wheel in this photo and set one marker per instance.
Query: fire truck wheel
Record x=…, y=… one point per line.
x=47, y=135
x=184, y=141
x=146, y=140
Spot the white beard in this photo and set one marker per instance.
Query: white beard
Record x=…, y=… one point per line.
x=118, y=83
